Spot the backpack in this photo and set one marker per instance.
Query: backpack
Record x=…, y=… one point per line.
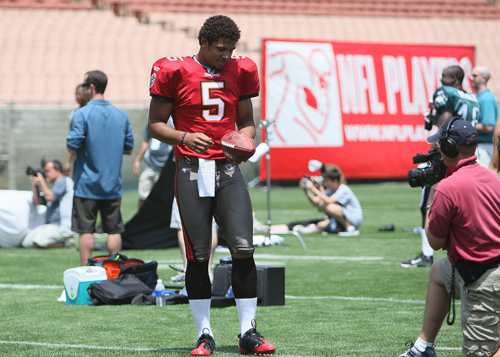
x=118, y=264
x=118, y=291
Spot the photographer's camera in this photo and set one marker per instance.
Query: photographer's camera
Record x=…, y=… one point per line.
x=30, y=171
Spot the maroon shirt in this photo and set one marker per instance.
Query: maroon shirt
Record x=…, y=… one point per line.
x=466, y=212
x=204, y=100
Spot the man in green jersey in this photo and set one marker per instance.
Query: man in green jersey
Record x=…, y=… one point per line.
x=451, y=100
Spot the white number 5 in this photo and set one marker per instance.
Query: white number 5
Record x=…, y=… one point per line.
x=208, y=102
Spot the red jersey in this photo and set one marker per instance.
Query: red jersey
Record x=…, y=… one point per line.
x=466, y=211
x=204, y=99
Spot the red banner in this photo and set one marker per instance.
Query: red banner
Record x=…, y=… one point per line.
x=357, y=105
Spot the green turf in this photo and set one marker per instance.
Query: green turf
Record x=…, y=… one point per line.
x=345, y=296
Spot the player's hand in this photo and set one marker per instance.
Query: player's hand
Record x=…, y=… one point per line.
x=198, y=142
x=137, y=168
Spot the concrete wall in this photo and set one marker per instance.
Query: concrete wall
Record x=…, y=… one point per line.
x=29, y=134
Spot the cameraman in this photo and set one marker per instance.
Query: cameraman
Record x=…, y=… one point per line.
x=337, y=201
x=462, y=217
x=57, y=228
x=448, y=101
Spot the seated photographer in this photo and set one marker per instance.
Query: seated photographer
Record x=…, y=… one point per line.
x=463, y=212
x=59, y=200
x=334, y=198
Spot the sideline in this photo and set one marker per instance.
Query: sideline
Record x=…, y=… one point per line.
x=361, y=298
x=88, y=347
x=162, y=350
x=291, y=297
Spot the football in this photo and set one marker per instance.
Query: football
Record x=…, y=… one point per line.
x=237, y=146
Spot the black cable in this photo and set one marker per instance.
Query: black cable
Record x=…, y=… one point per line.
x=451, y=303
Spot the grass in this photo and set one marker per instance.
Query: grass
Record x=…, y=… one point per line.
x=344, y=296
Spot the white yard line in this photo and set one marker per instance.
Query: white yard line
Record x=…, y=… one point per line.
x=312, y=257
x=351, y=298
x=166, y=350
x=30, y=287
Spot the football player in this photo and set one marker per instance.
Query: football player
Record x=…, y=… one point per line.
x=207, y=95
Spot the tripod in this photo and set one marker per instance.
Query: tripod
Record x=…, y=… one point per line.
x=267, y=124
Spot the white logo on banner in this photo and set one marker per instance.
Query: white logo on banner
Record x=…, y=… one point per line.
x=302, y=95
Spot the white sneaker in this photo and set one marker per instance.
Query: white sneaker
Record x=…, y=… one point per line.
x=350, y=232
x=179, y=278
x=311, y=228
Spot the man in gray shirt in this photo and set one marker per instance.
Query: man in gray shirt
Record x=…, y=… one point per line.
x=57, y=228
x=155, y=154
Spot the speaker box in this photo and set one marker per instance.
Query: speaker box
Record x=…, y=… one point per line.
x=270, y=286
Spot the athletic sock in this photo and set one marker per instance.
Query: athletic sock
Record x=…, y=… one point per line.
x=246, y=313
x=426, y=248
x=201, y=314
x=421, y=345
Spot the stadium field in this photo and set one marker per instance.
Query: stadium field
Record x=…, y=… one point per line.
x=345, y=296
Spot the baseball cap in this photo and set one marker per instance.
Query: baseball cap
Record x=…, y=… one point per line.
x=460, y=131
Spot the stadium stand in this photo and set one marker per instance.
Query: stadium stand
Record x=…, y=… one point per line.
x=46, y=51
x=407, y=8
x=48, y=4
x=47, y=45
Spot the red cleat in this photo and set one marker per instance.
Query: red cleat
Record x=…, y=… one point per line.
x=205, y=346
x=253, y=342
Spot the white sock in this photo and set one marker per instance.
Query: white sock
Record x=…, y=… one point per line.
x=201, y=314
x=426, y=248
x=421, y=345
x=246, y=313
x=351, y=229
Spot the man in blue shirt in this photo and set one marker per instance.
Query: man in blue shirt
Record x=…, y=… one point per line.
x=489, y=109
x=100, y=135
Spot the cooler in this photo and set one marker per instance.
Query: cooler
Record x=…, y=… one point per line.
x=77, y=281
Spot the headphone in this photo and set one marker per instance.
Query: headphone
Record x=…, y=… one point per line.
x=448, y=146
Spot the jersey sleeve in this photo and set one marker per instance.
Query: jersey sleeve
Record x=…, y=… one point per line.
x=442, y=101
x=162, y=81
x=249, y=77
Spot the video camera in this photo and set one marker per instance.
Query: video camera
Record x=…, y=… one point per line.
x=30, y=171
x=430, y=175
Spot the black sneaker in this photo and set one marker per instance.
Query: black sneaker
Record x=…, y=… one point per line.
x=420, y=261
x=253, y=342
x=205, y=346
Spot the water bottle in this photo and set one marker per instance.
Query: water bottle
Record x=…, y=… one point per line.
x=160, y=293
x=230, y=292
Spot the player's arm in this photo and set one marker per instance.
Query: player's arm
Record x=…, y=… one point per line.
x=495, y=158
x=244, y=117
x=159, y=113
x=443, y=117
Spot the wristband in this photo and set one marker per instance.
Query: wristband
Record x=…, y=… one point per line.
x=182, y=139
x=427, y=208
